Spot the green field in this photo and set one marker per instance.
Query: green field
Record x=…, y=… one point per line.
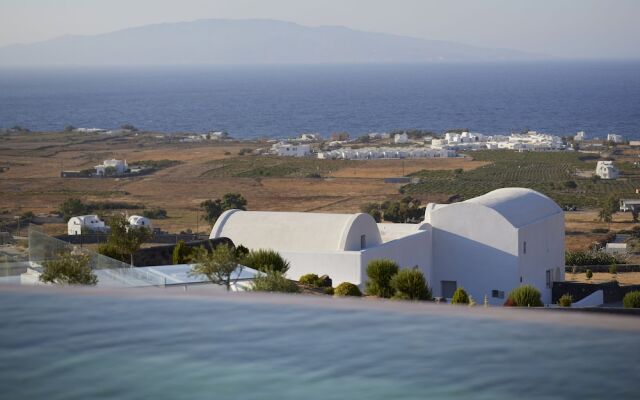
x=272, y=166
x=551, y=173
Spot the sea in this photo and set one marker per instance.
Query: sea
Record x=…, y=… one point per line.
x=284, y=100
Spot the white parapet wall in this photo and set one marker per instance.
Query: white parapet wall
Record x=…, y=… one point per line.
x=595, y=299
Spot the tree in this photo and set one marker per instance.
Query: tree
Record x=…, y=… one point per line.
x=69, y=128
x=218, y=266
x=634, y=214
x=129, y=127
x=69, y=269
x=214, y=208
x=380, y=273
x=372, y=209
x=605, y=215
x=72, y=207
x=125, y=238
x=181, y=253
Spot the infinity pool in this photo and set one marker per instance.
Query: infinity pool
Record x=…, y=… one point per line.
x=85, y=345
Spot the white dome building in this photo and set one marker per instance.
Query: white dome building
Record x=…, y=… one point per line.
x=139, y=221
x=493, y=243
x=338, y=245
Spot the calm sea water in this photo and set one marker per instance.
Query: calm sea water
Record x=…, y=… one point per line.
x=56, y=346
x=559, y=98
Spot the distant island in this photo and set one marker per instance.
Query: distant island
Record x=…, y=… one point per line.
x=219, y=41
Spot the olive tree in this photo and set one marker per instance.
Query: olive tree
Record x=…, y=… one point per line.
x=218, y=265
x=69, y=269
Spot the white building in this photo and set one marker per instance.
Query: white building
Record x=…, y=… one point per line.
x=579, y=137
x=139, y=221
x=291, y=150
x=119, y=166
x=606, y=170
x=489, y=245
x=309, y=137
x=493, y=243
x=400, y=138
x=612, y=137
x=85, y=223
x=338, y=245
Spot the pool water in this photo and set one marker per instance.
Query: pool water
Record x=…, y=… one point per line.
x=86, y=346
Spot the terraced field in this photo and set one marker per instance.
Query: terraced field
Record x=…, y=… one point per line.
x=553, y=174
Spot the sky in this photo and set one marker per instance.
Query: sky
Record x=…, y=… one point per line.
x=566, y=28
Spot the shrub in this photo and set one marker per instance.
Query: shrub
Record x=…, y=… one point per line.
x=410, y=284
x=566, y=300
x=589, y=274
x=600, y=230
x=273, y=281
x=69, y=269
x=181, y=253
x=265, y=260
x=460, y=296
x=631, y=300
x=380, y=273
x=330, y=291
x=111, y=251
x=525, y=296
x=589, y=258
x=347, y=289
x=156, y=213
x=613, y=269
x=311, y=280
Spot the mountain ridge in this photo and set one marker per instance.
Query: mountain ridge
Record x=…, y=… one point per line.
x=246, y=41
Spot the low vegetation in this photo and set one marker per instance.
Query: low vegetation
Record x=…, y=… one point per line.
x=631, y=300
x=581, y=258
x=551, y=173
x=347, y=289
x=155, y=213
x=410, y=284
x=314, y=280
x=380, y=273
x=182, y=254
x=525, y=296
x=69, y=269
x=273, y=281
x=74, y=206
x=406, y=210
x=460, y=296
x=565, y=300
x=265, y=260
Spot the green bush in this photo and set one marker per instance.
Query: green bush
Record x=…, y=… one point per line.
x=111, y=251
x=380, y=273
x=330, y=291
x=347, y=289
x=589, y=274
x=273, y=281
x=182, y=253
x=631, y=300
x=613, y=269
x=566, y=300
x=410, y=284
x=525, y=296
x=600, y=230
x=460, y=296
x=311, y=280
x=265, y=260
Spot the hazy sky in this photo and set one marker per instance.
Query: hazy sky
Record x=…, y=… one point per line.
x=573, y=28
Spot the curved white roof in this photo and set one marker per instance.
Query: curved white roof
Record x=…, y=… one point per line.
x=297, y=231
x=519, y=206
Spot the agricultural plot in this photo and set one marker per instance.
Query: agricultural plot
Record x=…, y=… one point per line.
x=271, y=166
x=553, y=174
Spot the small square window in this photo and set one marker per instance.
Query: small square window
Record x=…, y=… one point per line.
x=497, y=294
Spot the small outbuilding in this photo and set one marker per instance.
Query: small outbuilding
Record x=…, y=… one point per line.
x=139, y=221
x=85, y=223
